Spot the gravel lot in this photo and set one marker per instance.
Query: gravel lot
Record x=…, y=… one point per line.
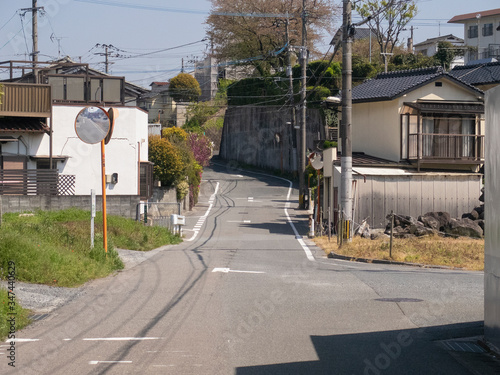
x=43, y=299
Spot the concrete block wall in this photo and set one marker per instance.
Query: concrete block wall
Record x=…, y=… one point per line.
x=260, y=136
x=120, y=205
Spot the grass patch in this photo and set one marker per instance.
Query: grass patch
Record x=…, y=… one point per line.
x=20, y=314
x=459, y=252
x=53, y=247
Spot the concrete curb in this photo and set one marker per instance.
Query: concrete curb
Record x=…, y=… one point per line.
x=392, y=262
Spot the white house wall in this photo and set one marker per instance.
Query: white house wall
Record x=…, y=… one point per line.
x=492, y=219
x=482, y=41
x=376, y=128
x=130, y=137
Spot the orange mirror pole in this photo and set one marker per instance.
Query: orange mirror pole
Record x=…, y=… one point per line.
x=104, y=215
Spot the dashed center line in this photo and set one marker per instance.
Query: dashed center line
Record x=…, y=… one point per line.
x=97, y=362
x=121, y=338
x=227, y=270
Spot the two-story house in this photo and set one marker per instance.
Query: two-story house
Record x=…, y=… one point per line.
x=418, y=145
x=39, y=143
x=429, y=47
x=481, y=33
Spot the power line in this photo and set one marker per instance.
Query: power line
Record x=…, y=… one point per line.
x=180, y=10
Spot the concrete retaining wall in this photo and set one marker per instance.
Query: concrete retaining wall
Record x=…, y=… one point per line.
x=120, y=205
x=260, y=136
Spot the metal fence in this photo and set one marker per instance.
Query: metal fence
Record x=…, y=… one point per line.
x=157, y=213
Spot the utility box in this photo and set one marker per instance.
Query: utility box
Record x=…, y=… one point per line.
x=112, y=178
x=177, y=219
x=329, y=156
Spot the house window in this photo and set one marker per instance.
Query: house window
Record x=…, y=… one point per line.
x=472, y=32
x=45, y=164
x=146, y=181
x=448, y=137
x=487, y=29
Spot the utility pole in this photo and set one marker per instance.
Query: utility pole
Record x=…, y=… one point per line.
x=35, y=33
x=303, y=134
x=410, y=42
x=34, y=55
x=106, y=55
x=289, y=72
x=345, y=128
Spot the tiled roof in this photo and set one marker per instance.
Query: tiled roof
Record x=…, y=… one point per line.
x=470, y=16
x=439, y=39
x=479, y=74
x=362, y=159
x=388, y=86
x=23, y=125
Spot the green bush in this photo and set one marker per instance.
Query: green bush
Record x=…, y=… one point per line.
x=184, y=88
x=168, y=164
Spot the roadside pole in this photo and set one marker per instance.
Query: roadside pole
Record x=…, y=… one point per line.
x=346, y=156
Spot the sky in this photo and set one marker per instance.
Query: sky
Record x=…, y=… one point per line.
x=151, y=38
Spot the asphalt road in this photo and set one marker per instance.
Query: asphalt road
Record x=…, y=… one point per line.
x=243, y=295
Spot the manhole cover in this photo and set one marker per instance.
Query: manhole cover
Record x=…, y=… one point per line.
x=398, y=299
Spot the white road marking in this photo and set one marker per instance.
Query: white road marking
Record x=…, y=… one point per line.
x=121, y=338
x=237, y=175
x=304, y=246
x=67, y=340
x=22, y=340
x=227, y=270
x=239, y=221
x=201, y=220
x=97, y=362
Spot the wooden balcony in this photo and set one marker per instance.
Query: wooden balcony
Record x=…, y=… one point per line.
x=446, y=148
x=35, y=182
x=26, y=100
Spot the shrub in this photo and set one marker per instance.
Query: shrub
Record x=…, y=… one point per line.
x=168, y=165
x=201, y=146
x=174, y=134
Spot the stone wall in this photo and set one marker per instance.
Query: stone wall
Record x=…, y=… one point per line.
x=260, y=136
x=120, y=205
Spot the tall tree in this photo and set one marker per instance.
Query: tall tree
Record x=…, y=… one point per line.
x=446, y=53
x=184, y=88
x=246, y=30
x=387, y=22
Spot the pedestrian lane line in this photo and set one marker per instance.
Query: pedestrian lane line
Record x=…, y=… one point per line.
x=202, y=219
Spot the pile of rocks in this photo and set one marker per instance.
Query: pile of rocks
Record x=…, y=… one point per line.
x=436, y=223
x=470, y=225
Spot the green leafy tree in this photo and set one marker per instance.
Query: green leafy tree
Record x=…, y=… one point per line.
x=184, y=88
x=362, y=69
x=387, y=22
x=408, y=61
x=446, y=53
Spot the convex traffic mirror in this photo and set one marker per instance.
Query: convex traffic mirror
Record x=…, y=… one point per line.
x=92, y=124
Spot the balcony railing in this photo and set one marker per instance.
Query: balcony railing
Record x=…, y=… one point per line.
x=35, y=182
x=446, y=147
x=25, y=100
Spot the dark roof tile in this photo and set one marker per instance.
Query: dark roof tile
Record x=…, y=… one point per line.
x=478, y=74
x=388, y=86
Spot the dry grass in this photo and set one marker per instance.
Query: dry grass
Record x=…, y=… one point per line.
x=460, y=252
